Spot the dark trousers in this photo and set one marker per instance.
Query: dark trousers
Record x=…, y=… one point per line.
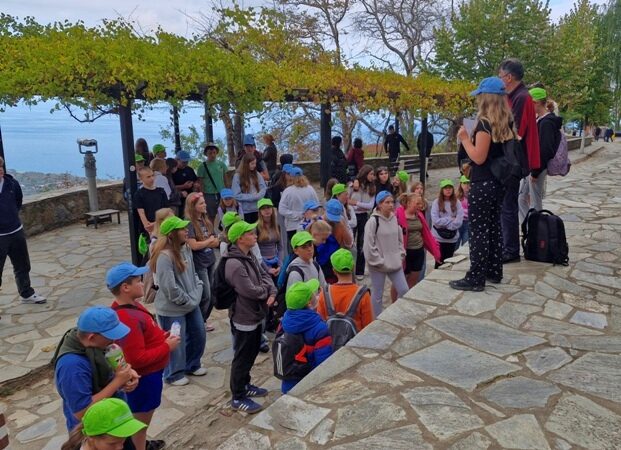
x=447, y=250
x=15, y=247
x=511, y=222
x=484, y=205
x=246, y=347
x=360, y=262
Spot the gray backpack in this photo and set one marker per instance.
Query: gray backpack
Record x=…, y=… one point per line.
x=342, y=326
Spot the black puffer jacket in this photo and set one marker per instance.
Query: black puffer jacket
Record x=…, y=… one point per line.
x=338, y=165
x=549, y=127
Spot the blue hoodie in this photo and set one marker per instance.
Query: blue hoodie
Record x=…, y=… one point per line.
x=310, y=324
x=10, y=203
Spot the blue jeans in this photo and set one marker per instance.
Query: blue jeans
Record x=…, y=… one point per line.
x=187, y=356
x=464, y=234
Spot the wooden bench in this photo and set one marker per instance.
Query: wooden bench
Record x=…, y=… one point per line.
x=102, y=216
x=410, y=165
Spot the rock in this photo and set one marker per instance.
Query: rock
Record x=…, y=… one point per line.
x=378, y=335
x=24, y=337
x=246, y=440
x=49, y=408
x=341, y=391
x=432, y=292
x=595, y=268
x=386, y=373
x=55, y=443
x=214, y=379
x=476, y=441
x=403, y=438
x=484, y=334
x=519, y=432
x=585, y=423
x=34, y=401
x=475, y=303
x=457, y=365
x=514, y=314
x=542, y=361
x=341, y=361
x=546, y=325
x=520, y=392
x=224, y=356
x=528, y=297
x=162, y=419
x=421, y=337
x=367, y=416
x=595, y=373
x=604, y=280
x=441, y=411
x=546, y=290
x=406, y=313
x=290, y=415
x=605, y=344
x=590, y=319
x=293, y=443
x=322, y=432
x=40, y=430
x=182, y=396
x=584, y=303
x=21, y=418
x=556, y=310
x=560, y=444
x=564, y=285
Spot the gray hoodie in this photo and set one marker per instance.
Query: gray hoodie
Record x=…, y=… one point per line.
x=291, y=205
x=383, y=243
x=309, y=270
x=178, y=293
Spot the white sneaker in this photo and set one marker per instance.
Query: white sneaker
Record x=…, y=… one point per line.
x=180, y=382
x=199, y=372
x=34, y=298
x=359, y=277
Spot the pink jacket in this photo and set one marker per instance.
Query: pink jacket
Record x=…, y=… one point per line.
x=429, y=242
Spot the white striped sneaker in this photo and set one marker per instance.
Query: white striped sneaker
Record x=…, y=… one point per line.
x=34, y=299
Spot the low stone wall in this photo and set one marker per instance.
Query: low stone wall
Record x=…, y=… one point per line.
x=51, y=210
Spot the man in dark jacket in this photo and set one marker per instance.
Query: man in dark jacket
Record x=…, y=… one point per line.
x=392, y=144
x=532, y=188
x=255, y=293
x=511, y=73
x=338, y=164
x=12, y=237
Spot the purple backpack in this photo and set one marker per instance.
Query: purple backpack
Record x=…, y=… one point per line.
x=559, y=165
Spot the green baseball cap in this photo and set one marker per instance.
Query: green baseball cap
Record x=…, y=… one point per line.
x=158, y=148
x=300, y=238
x=338, y=188
x=298, y=295
x=464, y=179
x=138, y=158
x=172, y=223
x=110, y=416
x=229, y=218
x=264, y=202
x=403, y=176
x=446, y=183
x=239, y=228
x=342, y=260
x=538, y=94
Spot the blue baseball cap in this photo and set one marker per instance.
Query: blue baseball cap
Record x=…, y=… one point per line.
x=491, y=85
x=249, y=140
x=287, y=168
x=121, y=272
x=102, y=320
x=381, y=196
x=334, y=210
x=296, y=171
x=182, y=155
x=227, y=193
x=311, y=204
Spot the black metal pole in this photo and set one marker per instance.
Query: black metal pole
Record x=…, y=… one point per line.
x=129, y=162
x=208, y=123
x=423, y=152
x=326, y=142
x=2, y=150
x=397, y=123
x=175, y=114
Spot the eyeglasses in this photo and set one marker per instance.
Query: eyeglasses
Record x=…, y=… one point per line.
x=503, y=75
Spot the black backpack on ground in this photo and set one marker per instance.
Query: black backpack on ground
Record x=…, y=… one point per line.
x=543, y=238
x=511, y=167
x=342, y=326
x=289, y=355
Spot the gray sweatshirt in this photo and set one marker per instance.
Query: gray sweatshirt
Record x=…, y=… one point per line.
x=178, y=293
x=309, y=270
x=291, y=205
x=383, y=243
x=446, y=219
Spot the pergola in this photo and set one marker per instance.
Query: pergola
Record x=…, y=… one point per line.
x=96, y=67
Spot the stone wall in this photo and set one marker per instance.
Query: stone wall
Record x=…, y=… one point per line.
x=51, y=210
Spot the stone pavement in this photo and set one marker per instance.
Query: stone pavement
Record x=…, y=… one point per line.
x=69, y=266
x=532, y=363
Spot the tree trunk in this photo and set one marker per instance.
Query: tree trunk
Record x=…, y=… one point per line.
x=230, y=143
x=238, y=132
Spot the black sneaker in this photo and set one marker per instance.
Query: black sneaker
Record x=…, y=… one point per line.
x=255, y=391
x=507, y=259
x=465, y=285
x=265, y=347
x=155, y=445
x=494, y=280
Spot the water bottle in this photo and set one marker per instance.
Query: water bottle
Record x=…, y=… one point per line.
x=175, y=329
x=114, y=356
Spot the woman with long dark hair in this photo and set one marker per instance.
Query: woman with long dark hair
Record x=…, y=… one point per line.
x=362, y=198
x=248, y=187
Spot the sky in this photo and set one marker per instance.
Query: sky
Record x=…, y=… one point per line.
x=173, y=16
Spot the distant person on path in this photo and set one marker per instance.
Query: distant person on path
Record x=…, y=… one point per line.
x=598, y=133
x=270, y=154
x=533, y=187
x=392, y=144
x=493, y=127
x=211, y=176
x=12, y=237
x=250, y=148
x=255, y=292
x=511, y=73
x=384, y=251
x=142, y=148
x=427, y=151
x=184, y=177
x=355, y=158
x=249, y=187
x=338, y=163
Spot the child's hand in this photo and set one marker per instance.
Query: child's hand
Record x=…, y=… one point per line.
x=132, y=383
x=149, y=227
x=173, y=342
x=270, y=300
x=123, y=374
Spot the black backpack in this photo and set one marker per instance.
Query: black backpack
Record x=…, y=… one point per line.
x=543, y=238
x=342, y=326
x=222, y=292
x=511, y=167
x=289, y=355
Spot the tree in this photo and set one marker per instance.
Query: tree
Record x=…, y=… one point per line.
x=611, y=27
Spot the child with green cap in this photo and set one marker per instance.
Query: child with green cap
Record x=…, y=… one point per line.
x=446, y=218
x=341, y=193
x=302, y=319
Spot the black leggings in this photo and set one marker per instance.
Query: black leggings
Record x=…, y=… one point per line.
x=447, y=249
x=360, y=262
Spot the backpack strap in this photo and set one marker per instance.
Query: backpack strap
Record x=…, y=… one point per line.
x=525, y=227
x=328, y=299
x=353, y=306
x=376, y=224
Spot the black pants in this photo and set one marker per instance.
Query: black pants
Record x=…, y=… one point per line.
x=15, y=247
x=246, y=348
x=360, y=262
x=251, y=217
x=511, y=221
x=484, y=205
x=447, y=250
